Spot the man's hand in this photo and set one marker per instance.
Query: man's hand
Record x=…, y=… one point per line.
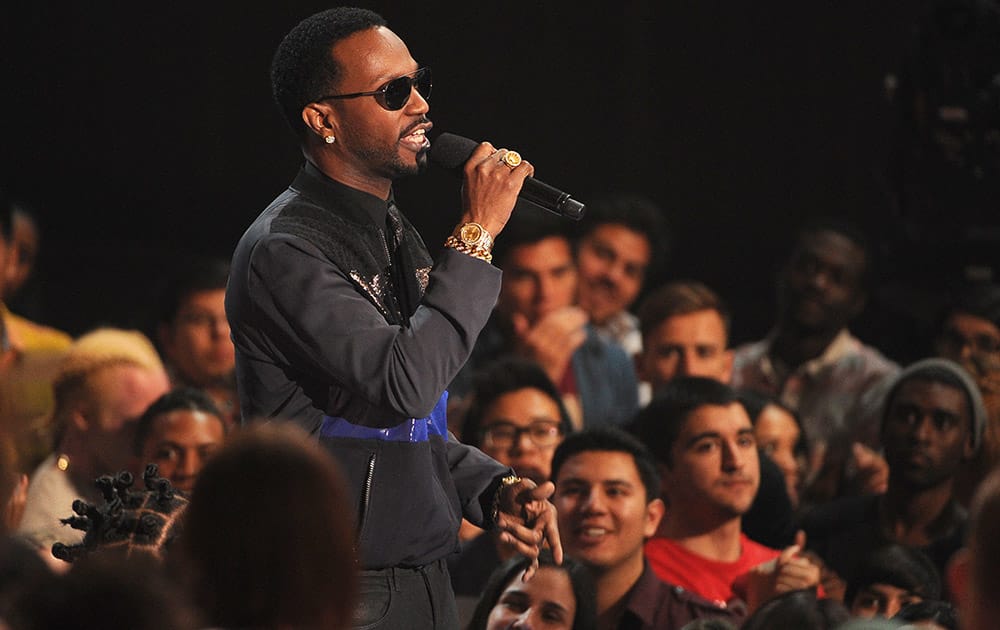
x=872, y=469
x=491, y=187
x=527, y=520
x=790, y=571
x=552, y=340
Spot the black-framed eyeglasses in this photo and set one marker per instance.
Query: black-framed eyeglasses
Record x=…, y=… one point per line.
x=395, y=94
x=542, y=433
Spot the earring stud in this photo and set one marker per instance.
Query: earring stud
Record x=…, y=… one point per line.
x=329, y=139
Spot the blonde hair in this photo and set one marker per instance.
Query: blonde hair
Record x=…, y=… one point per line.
x=99, y=349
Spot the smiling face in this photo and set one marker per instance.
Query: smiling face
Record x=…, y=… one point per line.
x=821, y=288
x=715, y=470
x=545, y=601
x=612, y=261
x=604, y=514
x=372, y=144
x=927, y=433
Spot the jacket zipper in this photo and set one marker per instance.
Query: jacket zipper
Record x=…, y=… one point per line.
x=366, y=493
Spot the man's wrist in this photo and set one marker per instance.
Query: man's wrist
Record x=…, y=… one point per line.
x=473, y=239
x=505, y=482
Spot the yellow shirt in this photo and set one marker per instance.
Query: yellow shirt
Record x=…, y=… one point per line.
x=26, y=381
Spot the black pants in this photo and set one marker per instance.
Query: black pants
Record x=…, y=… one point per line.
x=407, y=599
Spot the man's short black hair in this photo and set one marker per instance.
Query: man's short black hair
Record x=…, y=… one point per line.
x=850, y=230
x=610, y=439
x=636, y=212
x=196, y=274
x=661, y=421
x=503, y=376
x=182, y=398
x=527, y=229
x=303, y=68
x=980, y=299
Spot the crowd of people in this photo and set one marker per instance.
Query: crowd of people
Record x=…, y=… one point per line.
x=336, y=429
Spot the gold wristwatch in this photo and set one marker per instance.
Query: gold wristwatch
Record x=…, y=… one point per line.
x=472, y=239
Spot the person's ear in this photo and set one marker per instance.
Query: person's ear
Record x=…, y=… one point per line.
x=655, y=510
x=321, y=120
x=727, y=366
x=79, y=420
x=969, y=451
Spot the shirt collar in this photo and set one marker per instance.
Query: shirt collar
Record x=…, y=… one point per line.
x=354, y=204
x=842, y=345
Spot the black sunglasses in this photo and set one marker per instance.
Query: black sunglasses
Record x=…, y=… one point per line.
x=396, y=93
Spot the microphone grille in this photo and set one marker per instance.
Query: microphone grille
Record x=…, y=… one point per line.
x=451, y=151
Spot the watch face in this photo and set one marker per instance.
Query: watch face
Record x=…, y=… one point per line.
x=471, y=233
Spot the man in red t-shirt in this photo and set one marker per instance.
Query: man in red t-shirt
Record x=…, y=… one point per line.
x=703, y=441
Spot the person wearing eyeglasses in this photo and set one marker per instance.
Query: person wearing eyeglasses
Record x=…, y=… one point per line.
x=344, y=324
x=515, y=415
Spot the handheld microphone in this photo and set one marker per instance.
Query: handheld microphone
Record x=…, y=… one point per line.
x=452, y=152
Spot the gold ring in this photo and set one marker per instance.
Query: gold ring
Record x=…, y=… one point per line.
x=511, y=159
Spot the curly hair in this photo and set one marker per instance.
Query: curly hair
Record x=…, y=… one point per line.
x=130, y=521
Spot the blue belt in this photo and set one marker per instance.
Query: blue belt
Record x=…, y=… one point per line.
x=412, y=430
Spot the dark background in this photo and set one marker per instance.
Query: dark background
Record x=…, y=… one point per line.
x=142, y=134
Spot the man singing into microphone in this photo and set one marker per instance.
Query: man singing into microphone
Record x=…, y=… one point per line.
x=343, y=323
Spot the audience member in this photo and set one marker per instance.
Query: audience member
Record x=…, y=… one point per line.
x=536, y=318
x=932, y=423
x=968, y=333
x=685, y=332
x=809, y=360
x=193, y=333
x=106, y=381
x=799, y=609
x=559, y=596
x=515, y=416
x=25, y=239
x=890, y=578
x=21, y=568
x=267, y=540
x=178, y=433
x=621, y=241
x=608, y=500
x=778, y=432
x=105, y=592
x=972, y=575
x=685, y=328
x=29, y=354
x=704, y=444
x=130, y=522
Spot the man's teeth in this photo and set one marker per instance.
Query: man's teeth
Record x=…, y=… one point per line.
x=594, y=531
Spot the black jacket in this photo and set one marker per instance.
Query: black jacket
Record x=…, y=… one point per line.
x=319, y=321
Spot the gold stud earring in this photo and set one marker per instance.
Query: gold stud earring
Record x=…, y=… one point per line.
x=329, y=139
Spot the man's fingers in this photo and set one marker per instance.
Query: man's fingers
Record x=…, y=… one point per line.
x=551, y=533
x=530, y=571
x=788, y=554
x=538, y=493
x=800, y=539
